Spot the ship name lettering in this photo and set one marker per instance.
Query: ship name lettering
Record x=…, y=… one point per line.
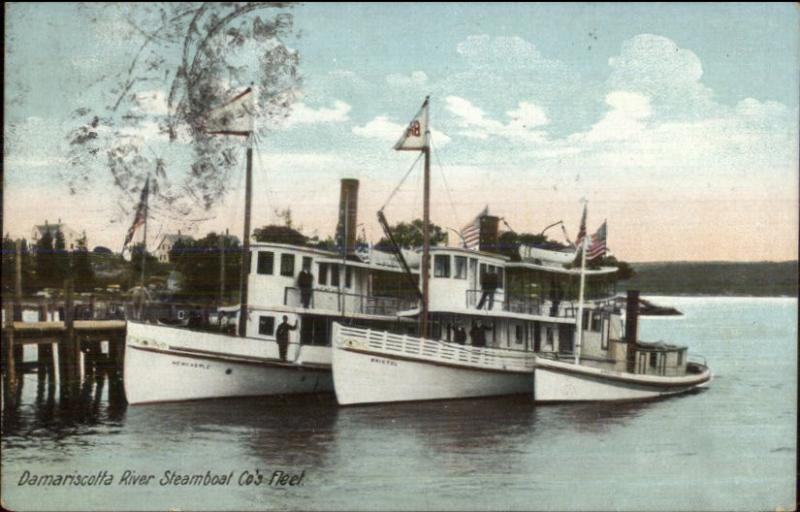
x=382, y=361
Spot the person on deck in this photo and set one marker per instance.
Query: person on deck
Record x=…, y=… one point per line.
x=489, y=284
x=460, y=335
x=305, y=281
x=478, y=334
x=282, y=336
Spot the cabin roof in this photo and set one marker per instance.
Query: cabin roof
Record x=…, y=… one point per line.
x=558, y=269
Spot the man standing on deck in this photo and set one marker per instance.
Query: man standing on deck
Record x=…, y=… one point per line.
x=460, y=336
x=305, y=281
x=282, y=336
x=478, y=334
x=489, y=283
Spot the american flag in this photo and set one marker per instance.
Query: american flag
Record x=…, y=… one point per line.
x=582, y=230
x=141, y=214
x=471, y=233
x=598, y=245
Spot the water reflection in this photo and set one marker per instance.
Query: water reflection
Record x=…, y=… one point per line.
x=293, y=430
x=40, y=415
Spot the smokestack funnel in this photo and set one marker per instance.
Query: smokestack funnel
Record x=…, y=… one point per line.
x=632, y=326
x=348, y=215
x=490, y=226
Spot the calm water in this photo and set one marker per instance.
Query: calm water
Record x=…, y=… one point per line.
x=731, y=447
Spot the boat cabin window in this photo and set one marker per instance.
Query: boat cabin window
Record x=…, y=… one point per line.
x=597, y=322
x=334, y=275
x=680, y=357
x=441, y=265
x=348, y=277
x=315, y=331
x=266, y=325
x=287, y=265
x=266, y=261
x=518, y=334
x=307, y=263
x=460, y=267
x=323, y=273
x=653, y=359
x=499, y=277
x=585, y=320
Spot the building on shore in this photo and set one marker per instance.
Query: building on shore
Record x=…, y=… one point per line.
x=71, y=236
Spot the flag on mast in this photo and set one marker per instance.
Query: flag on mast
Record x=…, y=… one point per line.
x=141, y=214
x=415, y=137
x=471, y=233
x=234, y=117
x=598, y=244
x=581, y=230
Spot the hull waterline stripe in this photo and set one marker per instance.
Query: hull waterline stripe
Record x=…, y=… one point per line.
x=216, y=356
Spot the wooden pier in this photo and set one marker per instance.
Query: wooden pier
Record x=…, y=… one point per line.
x=67, y=351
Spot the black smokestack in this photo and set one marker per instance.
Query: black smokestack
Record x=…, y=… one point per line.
x=490, y=226
x=348, y=216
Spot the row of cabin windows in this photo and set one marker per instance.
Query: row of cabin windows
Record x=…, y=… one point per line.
x=266, y=263
x=331, y=272
x=595, y=324
x=442, y=268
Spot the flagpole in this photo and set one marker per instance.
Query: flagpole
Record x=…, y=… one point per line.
x=579, y=337
x=144, y=233
x=426, y=235
x=245, y=267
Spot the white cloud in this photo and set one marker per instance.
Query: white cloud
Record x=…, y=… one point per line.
x=624, y=121
x=476, y=124
x=527, y=115
x=658, y=68
x=483, y=50
x=380, y=128
x=303, y=114
x=416, y=78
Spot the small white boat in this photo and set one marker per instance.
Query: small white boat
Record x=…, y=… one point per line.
x=624, y=368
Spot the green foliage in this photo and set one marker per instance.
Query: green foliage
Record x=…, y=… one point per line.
x=10, y=267
x=279, y=234
x=199, y=262
x=409, y=235
x=82, y=270
x=135, y=265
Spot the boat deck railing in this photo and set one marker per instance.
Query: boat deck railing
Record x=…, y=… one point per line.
x=437, y=351
x=525, y=304
x=343, y=302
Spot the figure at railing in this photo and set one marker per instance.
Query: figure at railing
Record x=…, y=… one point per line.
x=305, y=281
x=489, y=284
x=478, y=334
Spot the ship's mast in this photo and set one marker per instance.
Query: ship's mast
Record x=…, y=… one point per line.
x=579, y=337
x=426, y=235
x=245, y=272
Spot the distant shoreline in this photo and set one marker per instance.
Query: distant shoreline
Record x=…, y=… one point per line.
x=715, y=279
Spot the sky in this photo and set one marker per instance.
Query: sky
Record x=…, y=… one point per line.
x=678, y=123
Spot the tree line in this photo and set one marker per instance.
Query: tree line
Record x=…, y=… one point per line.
x=46, y=264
